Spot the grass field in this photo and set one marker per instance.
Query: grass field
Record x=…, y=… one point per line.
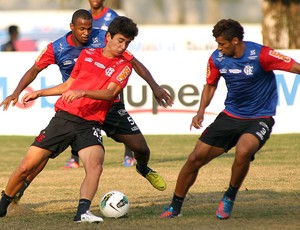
x=268, y=199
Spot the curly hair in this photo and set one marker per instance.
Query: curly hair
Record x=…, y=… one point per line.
x=123, y=25
x=228, y=29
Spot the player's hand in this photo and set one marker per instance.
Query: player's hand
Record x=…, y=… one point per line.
x=162, y=97
x=29, y=97
x=196, y=122
x=10, y=99
x=71, y=95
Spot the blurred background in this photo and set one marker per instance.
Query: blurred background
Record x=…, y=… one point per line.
x=41, y=21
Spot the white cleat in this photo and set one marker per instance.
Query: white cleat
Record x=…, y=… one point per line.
x=89, y=218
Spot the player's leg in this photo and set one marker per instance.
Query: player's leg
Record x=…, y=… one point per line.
x=138, y=144
x=246, y=147
x=28, y=180
x=129, y=159
x=34, y=157
x=255, y=135
x=92, y=158
x=200, y=156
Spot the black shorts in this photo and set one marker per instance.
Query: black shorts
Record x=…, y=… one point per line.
x=66, y=130
x=225, y=131
x=118, y=121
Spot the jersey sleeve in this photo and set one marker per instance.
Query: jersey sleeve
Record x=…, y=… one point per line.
x=212, y=72
x=46, y=57
x=274, y=60
x=121, y=76
x=127, y=55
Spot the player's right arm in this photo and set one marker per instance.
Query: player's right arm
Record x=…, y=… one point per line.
x=212, y=78
x=45, y=59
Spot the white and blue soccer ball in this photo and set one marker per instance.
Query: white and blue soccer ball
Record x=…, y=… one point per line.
x=114, y=204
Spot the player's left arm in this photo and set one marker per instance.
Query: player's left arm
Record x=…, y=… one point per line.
x=161, y=95
x=271, y=59
x=295, y=68
x=108, y=94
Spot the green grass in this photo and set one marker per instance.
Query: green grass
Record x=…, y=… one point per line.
x=268, y=199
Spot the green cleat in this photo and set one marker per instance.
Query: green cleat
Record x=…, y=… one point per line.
x=156, y=180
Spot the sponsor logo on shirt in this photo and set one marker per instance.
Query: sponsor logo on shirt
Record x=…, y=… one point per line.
x=236, y=71
x=41, y=54
x=100, y=65
x=67, y=62
x=124, y=74
x=88, y=59
x=222, y=71
x=278, y=55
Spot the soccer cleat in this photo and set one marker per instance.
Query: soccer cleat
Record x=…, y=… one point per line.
x=156, y=180
x=225, y=208
x=129, y=161
x=87, y=217
x=169, y=213
x=72, y=164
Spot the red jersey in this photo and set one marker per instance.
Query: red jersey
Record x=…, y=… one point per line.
x=93, y=71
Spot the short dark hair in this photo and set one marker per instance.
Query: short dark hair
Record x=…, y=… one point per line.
x=228, y=29
x=12, y=29
x=123, y=25
x=84, y=14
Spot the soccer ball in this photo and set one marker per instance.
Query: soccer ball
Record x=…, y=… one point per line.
x=114, y=204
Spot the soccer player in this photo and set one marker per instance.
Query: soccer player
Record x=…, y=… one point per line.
x=247, y=120
x=96, y=80
x=102, y=16
x=64, y=53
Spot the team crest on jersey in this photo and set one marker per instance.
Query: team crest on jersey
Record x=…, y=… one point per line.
x=248, y=70
x=124, y=74
x=109, y=71
x=278, y=55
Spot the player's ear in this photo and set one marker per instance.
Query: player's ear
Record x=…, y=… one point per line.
x=235, y=41
x=72, y=26
x=108, y=36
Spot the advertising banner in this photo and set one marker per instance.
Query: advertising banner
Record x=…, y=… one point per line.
x=181, y=73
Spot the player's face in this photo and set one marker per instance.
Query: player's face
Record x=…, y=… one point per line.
x=225, y=46
x=118, y=44
x=95, y=4
x=81, y=31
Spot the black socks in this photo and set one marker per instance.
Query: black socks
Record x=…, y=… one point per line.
x=24, y=187
x=143, y=169
x=4, y=202
x=177, y=203
x=83, y=206
x=231, y=192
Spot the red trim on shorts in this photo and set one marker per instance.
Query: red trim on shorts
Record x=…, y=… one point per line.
x=234, y=116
